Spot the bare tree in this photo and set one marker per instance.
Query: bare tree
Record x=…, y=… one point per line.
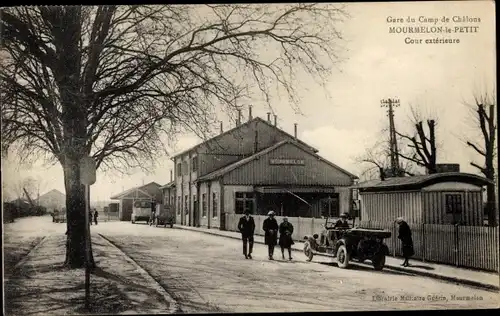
x=423, y=143
x=112, y=81
x=484, y=113
x=377, y=160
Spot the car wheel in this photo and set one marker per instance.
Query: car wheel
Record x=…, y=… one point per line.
x=343, y=257
x=379, y=261
x=308, y=251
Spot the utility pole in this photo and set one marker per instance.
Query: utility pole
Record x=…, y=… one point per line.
x=391, y=104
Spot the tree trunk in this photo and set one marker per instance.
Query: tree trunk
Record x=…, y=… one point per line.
x=491, y=205
x=75, y=214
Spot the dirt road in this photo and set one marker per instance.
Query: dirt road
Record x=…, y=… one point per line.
x=209, y=274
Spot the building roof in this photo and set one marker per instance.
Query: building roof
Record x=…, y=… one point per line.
x=127, y=192
x=256, y=119
x=222, y=171
x=418, y=182
x=171, y=184
x=52, y=192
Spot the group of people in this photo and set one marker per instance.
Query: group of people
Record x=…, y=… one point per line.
x=246, y=226
x=93, y=214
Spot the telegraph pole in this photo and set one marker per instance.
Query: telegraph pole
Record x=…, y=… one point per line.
x=391, y=104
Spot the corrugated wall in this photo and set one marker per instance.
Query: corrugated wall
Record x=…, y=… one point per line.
x=387, y=206
x=434, y=206
x=313, y=172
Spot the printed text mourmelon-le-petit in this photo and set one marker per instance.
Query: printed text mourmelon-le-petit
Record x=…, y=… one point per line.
x=433, y=30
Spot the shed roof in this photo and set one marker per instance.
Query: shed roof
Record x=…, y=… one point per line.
x=171, y=184
x=419, y=182
x=222, y=171
x=141, y=189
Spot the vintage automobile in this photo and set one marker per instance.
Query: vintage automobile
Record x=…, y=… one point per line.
x=165, y=215
x=350, y=243
x=59, y=216
x=141, y=211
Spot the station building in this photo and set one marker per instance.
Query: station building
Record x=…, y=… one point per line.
x=258, y=167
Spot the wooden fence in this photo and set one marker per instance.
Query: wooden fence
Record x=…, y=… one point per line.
x=462, y=246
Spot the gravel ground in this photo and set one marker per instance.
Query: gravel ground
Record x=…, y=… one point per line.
x=209, y=274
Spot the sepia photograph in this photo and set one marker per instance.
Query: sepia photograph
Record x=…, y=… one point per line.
x=249, y=158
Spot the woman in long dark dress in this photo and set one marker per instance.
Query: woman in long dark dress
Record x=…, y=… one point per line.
x=406, y=240
x=270, y=228
x=286, y=241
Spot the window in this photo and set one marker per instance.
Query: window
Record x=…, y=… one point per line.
x=172, y=201
x=330, y=207
x=194, y=163
x=165, y=199
x=244, y=202
x=453, y=204
x=186, y=204
x=179, y=205
x=204, y=205
x=214, y=205
x=179, y=169
x=185, y=167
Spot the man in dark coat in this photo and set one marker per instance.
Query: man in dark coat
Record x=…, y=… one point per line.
x=270, y=228
x=407, y=241
x=286, y=241
x=342, y=223
x=96, y=215
x=246, y=226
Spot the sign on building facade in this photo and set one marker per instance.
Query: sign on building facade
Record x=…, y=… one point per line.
x=287, y=161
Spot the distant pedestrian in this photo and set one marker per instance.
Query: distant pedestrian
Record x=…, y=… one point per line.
x=246, y=226
x=286, y=241
x=90, y=217
x=96, y=215
x=407, y=241
x=153, y=216
x=270, y=228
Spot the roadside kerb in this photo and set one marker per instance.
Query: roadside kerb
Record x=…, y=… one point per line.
x=468, y=282
x=27, y=256
x=173, y=306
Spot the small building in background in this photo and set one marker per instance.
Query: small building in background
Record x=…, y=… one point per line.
x=147, y=192
x=441, y=198
x=52, y=200
x=168, y=193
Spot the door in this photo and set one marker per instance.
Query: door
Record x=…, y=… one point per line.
x=196, y=215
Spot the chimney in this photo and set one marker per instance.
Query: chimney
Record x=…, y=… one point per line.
x=275, y=119
x=171, y=176
x=249, y=112
x=295, y=130
x=239, y=118
x=221, y=129
x=269, y=117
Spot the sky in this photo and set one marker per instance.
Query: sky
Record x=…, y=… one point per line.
x=345, y=118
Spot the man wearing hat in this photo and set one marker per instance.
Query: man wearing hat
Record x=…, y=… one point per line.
x=342, y=223
x=270, y=228
x=246, y=226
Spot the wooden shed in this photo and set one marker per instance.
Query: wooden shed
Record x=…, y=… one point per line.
x=442, y=198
